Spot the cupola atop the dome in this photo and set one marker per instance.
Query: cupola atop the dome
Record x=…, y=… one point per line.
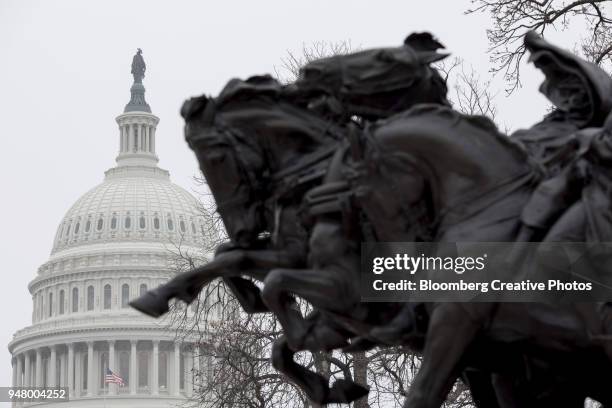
x=137, y=203
x=137, y=101
x=137, y=124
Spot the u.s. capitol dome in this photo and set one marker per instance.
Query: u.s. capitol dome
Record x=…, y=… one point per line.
x=117, y=241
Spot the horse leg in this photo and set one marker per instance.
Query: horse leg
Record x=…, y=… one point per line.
x=244, y=290
x=484, y=394
x=307, y=334
x=185, y=286
x=321, y=289
x=315, y=386
x=407, y=327
x=331, y=285
x=230, y=264
x=247, y=294
x=451, y=331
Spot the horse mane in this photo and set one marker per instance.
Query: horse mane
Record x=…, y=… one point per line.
x=480, y=121
x=235, y=89
x=436, y=111
x=483, y=122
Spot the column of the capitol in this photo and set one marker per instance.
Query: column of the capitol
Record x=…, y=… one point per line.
x=133, y=379
x=38, y=373
x=52, y=367
x=112, y=387
x=14, y=377
x=90, y=368
x=176, y=386
x=71, y=369
x=155, y=379
x=189, y=373
x=19, y=371
x=62, y=380
x=28, y=368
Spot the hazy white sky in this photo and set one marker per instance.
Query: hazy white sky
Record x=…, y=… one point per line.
x=65, y=76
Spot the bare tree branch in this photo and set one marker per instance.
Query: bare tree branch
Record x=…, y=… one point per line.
x=469, y=93
x=513, y=18
x=290, y=65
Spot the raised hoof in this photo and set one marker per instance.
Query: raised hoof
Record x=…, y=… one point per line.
x=345, y=391
x=151, y=304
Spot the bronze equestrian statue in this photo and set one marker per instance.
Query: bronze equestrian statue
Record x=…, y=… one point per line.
x=364, y=147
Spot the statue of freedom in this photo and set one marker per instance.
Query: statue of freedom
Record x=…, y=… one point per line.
x=138, y=67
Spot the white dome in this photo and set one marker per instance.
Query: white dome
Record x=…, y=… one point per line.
x=120, y=239
x=134, y=204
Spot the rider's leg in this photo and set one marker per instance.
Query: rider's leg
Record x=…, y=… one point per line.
x=571, y=226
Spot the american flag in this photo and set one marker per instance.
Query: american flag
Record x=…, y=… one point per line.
x=112, y=378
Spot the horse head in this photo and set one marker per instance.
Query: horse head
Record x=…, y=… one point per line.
x=248, y=141
x=379, y=82
x=230, y=168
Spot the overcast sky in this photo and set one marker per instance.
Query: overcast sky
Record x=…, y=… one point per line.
x=65, y=76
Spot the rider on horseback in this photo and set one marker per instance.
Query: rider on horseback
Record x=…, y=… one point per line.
x=582, y=94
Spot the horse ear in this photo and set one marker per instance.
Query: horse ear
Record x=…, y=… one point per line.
x=425, y=45
x=193, y=107
x=423, y=42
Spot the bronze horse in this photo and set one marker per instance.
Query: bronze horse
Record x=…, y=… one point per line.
x=457, y=334
x=517, y=180
x=410, y=80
